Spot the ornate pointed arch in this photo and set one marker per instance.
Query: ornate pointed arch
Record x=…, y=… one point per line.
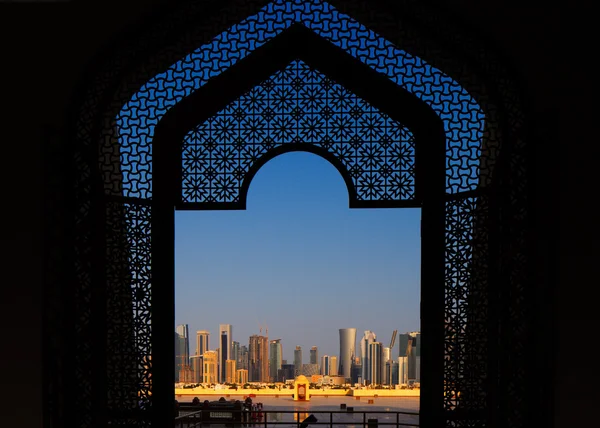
x=486, y=184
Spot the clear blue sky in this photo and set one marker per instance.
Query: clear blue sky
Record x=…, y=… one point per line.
x=298, y=249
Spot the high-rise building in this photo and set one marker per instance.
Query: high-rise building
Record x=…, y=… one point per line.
x=387, y=366
x=209, y=372
x=275, y=356
x=376, y=363
x=325, y=365
x=403, y=340
x=333, y=365
x=196, y=364
x=184, y=331
x=416, y=355
x=235, y=352
x=402, y=370
x=182, y=349
x=347, y=351
x=314, y=355
x=367, y=339
x=243, y=358
x=202, y=346
x=230, y=371
x=225, y=344
x=258, y=358
x=298, y=361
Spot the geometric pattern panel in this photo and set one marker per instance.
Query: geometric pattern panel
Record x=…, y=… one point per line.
x=299, y=105
x=462, y=117
x=129, y=332
x=466, y=311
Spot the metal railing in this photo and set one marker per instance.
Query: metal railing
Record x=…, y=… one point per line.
x=272, y=418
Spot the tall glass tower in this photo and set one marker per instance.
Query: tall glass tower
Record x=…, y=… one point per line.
x=225, y=343
x=347, y=351
x=275, y=356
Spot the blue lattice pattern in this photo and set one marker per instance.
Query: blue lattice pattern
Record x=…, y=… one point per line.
x=298, y=105
x=462, y=116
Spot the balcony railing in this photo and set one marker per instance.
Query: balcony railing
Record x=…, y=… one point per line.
x=190, y=418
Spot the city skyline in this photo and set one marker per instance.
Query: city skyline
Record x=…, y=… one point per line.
x=299, y=262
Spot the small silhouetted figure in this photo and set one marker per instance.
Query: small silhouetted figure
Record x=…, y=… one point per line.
x=176, y=408
x=246, y=410
x=196, y=401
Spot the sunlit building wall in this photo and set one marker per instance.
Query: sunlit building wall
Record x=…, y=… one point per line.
x=230, y=369
x=402, y=370
x=387, y=364
x=241, y=376
x=347, y=351
x=333, y=365
x=196, y=363
x=209, y=372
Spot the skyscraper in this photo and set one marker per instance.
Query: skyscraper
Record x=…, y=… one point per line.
x=347, y=351
x=387, y=365
x=376, y=363
x=235, y=353
x=202, y=346
x=258, y=359
x=367, y=339
x=182, y=349
x=225, y=344
x=298, y=361
x=184, y=332
x=275, y=356
x=325, y=365
x=314, y=355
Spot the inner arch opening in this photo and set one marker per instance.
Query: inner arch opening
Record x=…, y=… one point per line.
x=299, y=262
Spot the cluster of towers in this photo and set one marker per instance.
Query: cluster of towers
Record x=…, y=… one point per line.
x=262, y=360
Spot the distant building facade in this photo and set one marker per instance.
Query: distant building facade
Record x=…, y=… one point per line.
x=298, y=361
x=258, y=359
x=230, y=371
x=333, y=365
x=225, y=344
x=314, y=355
x=210, y=363
x=202, y=342
x=196, y=363
x=325, y=365
x=347, y=351
x=376, y=363
x=368, y=338
x=275, y=358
